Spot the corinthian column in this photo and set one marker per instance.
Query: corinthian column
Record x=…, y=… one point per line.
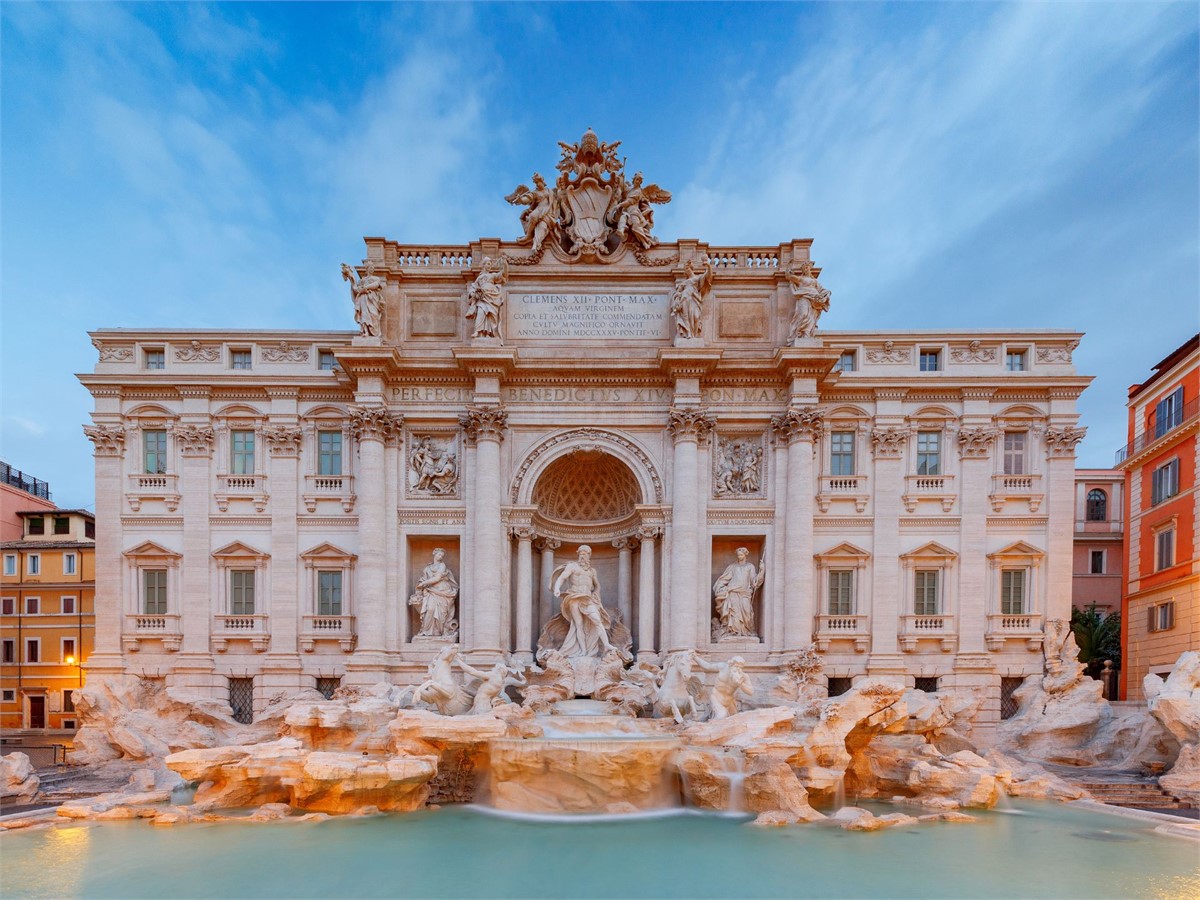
x=524, y=638
x=109, y=441
x=688, y=427
x=798, y=427
x=484, y=426
x=546, y=610
x=371, y=426
x=646, y=598
x=624, y=548
x=282, y=669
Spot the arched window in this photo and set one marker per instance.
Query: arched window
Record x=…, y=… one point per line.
x=1097, y=506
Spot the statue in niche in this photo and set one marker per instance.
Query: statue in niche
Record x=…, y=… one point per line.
x=541, y=218
x=367, y=294
x=731, y=681
x=485, y=296
x=492, y=683
x=434, y=597
x=441, y=689
x=735, y=591
x=635, y=216
x=687, y=300
x=584, y=629
x=738, y=469
x=811, y=300
x=433, y=466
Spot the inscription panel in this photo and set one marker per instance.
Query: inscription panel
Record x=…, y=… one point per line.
x=627, y=317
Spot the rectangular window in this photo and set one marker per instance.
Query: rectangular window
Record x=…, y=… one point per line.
x=154, y=592
x=68, y=606
x=841, y=592
x=931, y=360
x=89, y=529
x=1014, y=452
x=241, y=592
x=326, y=686
x=8, y=652
x=69, y=563
x=241, y=699
x=1012, y=592
x=8, y=606
x=10, y=696
x=62, y=525
x=68, y=704
x=925, y=683
x=847, y=362
x=1096, y=562
x=242, y=453
x=929, y=453
x=37, y=525
x=1169, y=412
x=240, y=359
x=329, y=593
x=156, y=358
x=1014, y=360
x=925, y=592
x=33, y=564
x=1164, y=482
x=329, y=453
x=1164, y=549
x=841, y=453
x=154, y=452
x=1008, y=703
x=1162, y=616
x=10, y=564
x=325, y=361
x=33, y=606
x=839, y=686
x=68, y=653
x=33, y=650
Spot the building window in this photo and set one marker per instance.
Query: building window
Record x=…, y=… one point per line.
x=841, y=592
x=847, y=362
x=1014, y=360
x=33, y=650
x=329, y=593
x=1012, y=592
x=241, y=592
x=329, y=453
x=1162, y=616
x=68, y=606
x=37, y=525
x=154, y=592
x=1014, y=452
x=10, y=564
x=925, y=592
x=1096, y=562
x=9, y=651
x=240, y=359
x=326, y=686
x=927, y=684
x=1097, y=505
x=1169, y=412
x=62, y=525
x=68, y=704
x=69, y=563
x=841, y=453
x=10, y=695
x=839, y=686
x=325, y=361
x=1164, y=549
x=33, y=606
x=33, y=564
x=931, y=360
x=89, y=529
x=242, y=456
x=8, y=606
x=156, y=358
x=68, y=653
x=1164, y=482
x=1008, y=702
x=929, y=453
x=241, y=699
x=154, y=452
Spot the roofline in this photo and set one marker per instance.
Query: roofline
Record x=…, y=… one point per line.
x=1167, y=363
x=65, y=512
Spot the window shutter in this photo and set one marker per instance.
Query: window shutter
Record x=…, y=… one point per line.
x=1150, y=623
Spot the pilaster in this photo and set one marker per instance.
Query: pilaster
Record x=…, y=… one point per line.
x=799, y=426
x=688, y=426
x=484, y=427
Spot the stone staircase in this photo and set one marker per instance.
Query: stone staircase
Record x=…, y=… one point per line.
x=1141, y=793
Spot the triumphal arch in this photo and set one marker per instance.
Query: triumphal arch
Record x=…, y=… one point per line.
x=298, y=509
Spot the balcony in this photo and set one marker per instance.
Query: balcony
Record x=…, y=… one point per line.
x=843, y=487
x=142, y=627
x=328, y=628
x=1016, y=487
x=329, y=487
x=1018, y=627
x=242, y=487
x=844, y=628
x=250, y=628
x=938, y=488
x=22, y=482
x=917, y=628
x=1157, y=431
x=157, y=486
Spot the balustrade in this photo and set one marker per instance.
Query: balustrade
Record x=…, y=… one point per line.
x=936, y=488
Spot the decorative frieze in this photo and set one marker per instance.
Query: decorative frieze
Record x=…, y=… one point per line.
x=1061, y=442
x=484, y=423
x=198, y=352
x=283, y=440
x=690, y=423
x=109, y=353
x=974, y=352
x=889, y=443
x=108, y=440
x=976, y=443
x=889, y=353
x=1056, y=354
x=194, y=440
x=374, y=423
x=285, y=352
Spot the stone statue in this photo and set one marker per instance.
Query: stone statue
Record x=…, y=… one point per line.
x=554, y=680
x=367, y=294
x=492, y=683
x=485, y=296
x=735, y=591
x=541, y=218
x=434, y=597
x=632, y=691
x=635, y=216
x=680, y=689
x=687, y=301
x=582, y=629
x=811, y=300
x=441, y=689
x=731, y=681
x=433, y=466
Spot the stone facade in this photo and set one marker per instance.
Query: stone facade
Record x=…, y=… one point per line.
x=906, y=496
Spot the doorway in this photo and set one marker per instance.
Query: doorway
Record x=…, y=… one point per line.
x=37, y=711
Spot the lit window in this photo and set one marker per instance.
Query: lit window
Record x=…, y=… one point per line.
x=1014, y=360
x=925, y=592
x=326, y=361
x=329, y=453
x=1164, y=549
x=1097, y=505
x=68, y=606
x=241, y=359
x=1096, y=562
x=1162, y=616
x=154, y=592
x=154, y=445
x=931, y=360
x=33, y=606
x=241, y=592
x=329, y=593
x=33, y=564
x=1164, y=482
x=1168, y=413
x=929, y=453
x=10, y=564
x=1014, y=452
x=242, y=453
x=1012, y=592
x=841, y=454
x=69, y=563
x=68, y=653
x=156, y=358
x=847, y=362
x=841, y=592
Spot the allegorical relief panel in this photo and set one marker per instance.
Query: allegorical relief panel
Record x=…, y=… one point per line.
x=737, y=466
x=433, y=465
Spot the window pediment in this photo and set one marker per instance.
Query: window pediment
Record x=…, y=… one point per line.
x=1018, y=550
x=149, y=550
x=327, y=552
x=237, y=550
x=932, y=551
x=844, y=551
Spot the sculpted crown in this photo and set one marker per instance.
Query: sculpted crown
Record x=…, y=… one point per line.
x=592, y=211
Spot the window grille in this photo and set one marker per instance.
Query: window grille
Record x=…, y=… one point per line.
x=326, y=686
x=1014, y=453
x=839, y=686
x=928, y=685
x=1008, y=703
x=329, y=593
x=241, y=699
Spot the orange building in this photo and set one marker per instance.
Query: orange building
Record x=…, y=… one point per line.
x=47, y=617
x=1161, y=605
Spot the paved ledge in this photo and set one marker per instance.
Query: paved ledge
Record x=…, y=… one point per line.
x=1168, y=824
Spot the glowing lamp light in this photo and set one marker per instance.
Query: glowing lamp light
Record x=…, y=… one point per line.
x=70, y=660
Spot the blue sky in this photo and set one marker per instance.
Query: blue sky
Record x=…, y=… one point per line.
x=958, y=165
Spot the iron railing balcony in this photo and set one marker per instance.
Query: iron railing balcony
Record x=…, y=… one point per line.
x=1158, y=429
x=22, y=482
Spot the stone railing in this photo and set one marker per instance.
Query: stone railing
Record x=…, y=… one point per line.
x=843, y=487
x=158, y=486
x=938, y=488
x=328, y=628
x=939, y=627
x=246, y=487
x=848, y=627
x=434, y=257
x=152, y=626
x=329, y=487
x=1020, y=626
x=245, y=627
x=1016, y=487
x=724, y=258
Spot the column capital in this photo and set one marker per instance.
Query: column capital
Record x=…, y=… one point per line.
x=649, y=532
x=798, y=423
x=888, y=443
x=283, y=440
x=624, y=543
x=1060, y=442
x=976, y=443
x=524, y=533
x=194, y=440
x=549, y=544
x=109, y=440
x=484, y=423
x=374, y=423
x=690, y=423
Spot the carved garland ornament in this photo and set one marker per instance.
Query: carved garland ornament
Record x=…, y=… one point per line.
x=374, y=423
x=484, y=422
x=798, y=423
x=285, y=352
x=284, y=440
x=889, y=442
x=890, y=353
x=1056, y=354
x=109, y=440
x=975, y=443
x=973, y=353
x=1060, y=442
x=197, y=352
x=690, y=423
x=590, y=439
x=113, y=354
x=194, y=440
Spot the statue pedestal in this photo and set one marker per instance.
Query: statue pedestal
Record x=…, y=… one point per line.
x=362, y=340
x=738, y=642
x=435, y=639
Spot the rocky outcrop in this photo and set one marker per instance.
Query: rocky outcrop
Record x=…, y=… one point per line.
x=18, y=781
x=1175, y=703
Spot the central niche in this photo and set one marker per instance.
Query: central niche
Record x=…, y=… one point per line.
x=587, y=486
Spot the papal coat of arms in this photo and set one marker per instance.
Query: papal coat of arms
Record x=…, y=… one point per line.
x=592, y=211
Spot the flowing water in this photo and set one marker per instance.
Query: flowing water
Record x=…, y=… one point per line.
x=1052, y=851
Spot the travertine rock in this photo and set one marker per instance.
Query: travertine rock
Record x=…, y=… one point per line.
x=17, y=778
x=93, y=807
x=1022, y=778
x=772, y=786
x=1175, y=703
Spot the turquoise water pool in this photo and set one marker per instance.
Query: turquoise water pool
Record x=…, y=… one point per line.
x=1043, y=850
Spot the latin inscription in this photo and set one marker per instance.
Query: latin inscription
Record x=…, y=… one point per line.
x=630, y=317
